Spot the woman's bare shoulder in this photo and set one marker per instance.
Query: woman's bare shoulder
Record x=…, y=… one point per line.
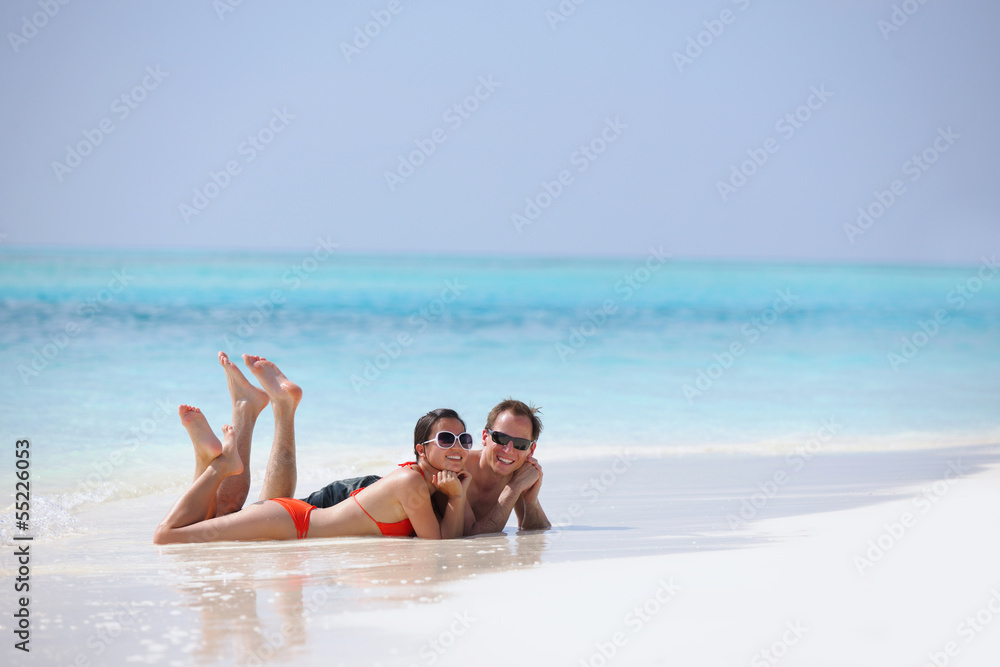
x=409, y=477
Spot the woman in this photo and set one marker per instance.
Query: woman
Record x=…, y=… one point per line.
x=400, y=504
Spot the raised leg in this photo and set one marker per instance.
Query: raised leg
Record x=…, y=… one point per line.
x=197, y=502
x=206, y=445
x=281, y=475
x=248, y=401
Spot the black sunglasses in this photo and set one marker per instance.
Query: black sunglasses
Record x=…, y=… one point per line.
x=520, y=444
x=446, y=440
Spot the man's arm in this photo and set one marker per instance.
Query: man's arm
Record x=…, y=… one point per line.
x=495, y=521
x=530, y=515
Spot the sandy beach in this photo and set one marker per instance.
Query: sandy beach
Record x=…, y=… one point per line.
x=844, y=558
x=740, y=259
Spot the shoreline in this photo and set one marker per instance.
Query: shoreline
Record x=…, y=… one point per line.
x=318, y=465
x=646, y=532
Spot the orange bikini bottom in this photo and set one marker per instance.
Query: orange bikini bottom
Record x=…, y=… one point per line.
x=299, y=510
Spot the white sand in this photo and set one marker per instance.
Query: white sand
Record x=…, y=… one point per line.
x=798, y=592
x=645, y=570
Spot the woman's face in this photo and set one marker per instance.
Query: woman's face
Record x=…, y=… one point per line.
x=453, y=458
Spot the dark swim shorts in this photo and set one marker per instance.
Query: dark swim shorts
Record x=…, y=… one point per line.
x=338, y=491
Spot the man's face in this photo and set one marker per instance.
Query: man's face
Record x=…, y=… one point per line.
x=504, y=459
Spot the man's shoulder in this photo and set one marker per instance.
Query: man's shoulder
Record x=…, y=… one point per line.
x=472, y=465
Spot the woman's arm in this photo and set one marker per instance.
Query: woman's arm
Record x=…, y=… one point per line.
x=416, y=502
x=454, y=486
x=470, y=519
x=453, y=522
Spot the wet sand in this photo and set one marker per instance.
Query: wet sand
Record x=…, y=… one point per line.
x=848, y=558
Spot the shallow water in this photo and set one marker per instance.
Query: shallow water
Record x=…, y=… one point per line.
x=100, y=348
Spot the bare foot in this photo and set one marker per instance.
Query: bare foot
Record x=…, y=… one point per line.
x=228, y=462
x=206, y=444
x=283, y=392
x=242, y=392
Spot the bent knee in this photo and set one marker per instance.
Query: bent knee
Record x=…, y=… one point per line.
x=167, y=535
x=161, y=535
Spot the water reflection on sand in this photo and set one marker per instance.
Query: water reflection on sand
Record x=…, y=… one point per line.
x=258, y=601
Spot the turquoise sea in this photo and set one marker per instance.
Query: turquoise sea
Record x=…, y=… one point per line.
x=656, y=355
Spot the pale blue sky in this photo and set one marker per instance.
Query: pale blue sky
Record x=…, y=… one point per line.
x=344, y=121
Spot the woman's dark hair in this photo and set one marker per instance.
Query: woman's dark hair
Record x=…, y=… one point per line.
x=422, y=431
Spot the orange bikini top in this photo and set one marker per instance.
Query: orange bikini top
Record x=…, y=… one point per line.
x=398, y=529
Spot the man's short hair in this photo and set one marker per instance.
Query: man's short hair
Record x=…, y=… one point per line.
x=518, y=409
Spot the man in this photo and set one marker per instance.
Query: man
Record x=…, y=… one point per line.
x=505, y=475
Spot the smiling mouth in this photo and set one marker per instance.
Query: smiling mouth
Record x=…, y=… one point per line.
x=503, y=460
x=454, y=458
